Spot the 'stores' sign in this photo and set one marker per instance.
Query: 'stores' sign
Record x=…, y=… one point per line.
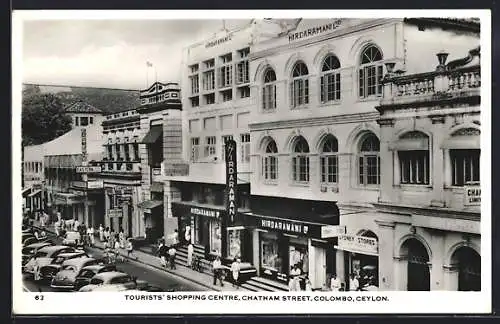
x=358, y=244
x=231, y=179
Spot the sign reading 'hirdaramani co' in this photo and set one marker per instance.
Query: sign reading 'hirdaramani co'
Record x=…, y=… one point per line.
x=315, y=30
x=231, y=179
x=205, y=212
x=284, y=226
x=358, y=244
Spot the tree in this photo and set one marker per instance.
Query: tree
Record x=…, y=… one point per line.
x=43, y=118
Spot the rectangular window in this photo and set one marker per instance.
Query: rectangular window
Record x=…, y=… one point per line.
x=245, y=147
x=300, y=168
x=227, y=95
x=209, y=80
x=330, y=87
x=225, y=138
x=195, y=101
x=110, y=152
x=77, y=121
x=244, y=92
x=118, y=152
x=195, y=149
x=329, y=169
x=242, y=73
x=465, y=167
x=193, y=68
x=369, y=169
x=370, y=81
x=136, y=152
x=209, y=64
x=91, y=120
x=194, y=81
x=300, y=92
x=270, y=167
x=269, y=97
x=414, y=167
x=126, y=152
x=209, y=98
x=210, y=142
x=225, y=76
x=84, y=121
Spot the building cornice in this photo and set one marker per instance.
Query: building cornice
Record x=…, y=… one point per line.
x=436, y=101
x=334, y=34
x=316, y=121
x=147, y=109
x=408, y=210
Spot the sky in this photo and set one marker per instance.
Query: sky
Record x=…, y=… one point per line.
x=110, y=53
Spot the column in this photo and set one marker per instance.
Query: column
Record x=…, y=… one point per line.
x=312, y=263
x=386, y=160
x=385, y=255
x=341, y=271
x=345, y=172
x=436, y=264
x=125, y=208
x=256, y=250
x=436, y=160
x=401, y=273
x=450, y=278
x=106, y=210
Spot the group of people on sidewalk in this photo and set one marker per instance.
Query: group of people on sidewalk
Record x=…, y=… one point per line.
x=115, y=243
x=219, y=271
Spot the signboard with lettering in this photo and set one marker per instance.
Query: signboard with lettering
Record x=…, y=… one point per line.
x=95, y=184
x=314, y=30
x=88, y=169
x=332, y=231
x=84, y=145
x=205, y=212
x=472, y=196
x=219, y=41
x=284, y=226
x=358, y=244
x=116, y=212
x=231, y=179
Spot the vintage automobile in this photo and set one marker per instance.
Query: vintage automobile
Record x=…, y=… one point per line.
x=113, y=281
x=72, y=238
x=29, y=251
x=49, y=271
x=66, y=277
x=45, y=256
x=87, y=273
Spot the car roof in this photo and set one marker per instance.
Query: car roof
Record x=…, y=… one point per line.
x=110, y=274
x=53, y=248
x=96, y=267
x=38, y=244
x=68, y=254
x=77, y=261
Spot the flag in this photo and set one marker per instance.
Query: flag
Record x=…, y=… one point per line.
x=149, y=64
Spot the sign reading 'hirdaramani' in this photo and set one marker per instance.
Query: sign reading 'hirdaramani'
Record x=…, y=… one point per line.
x=284, y=226
x=231, y=179
x=315, y=30
x=205, y=212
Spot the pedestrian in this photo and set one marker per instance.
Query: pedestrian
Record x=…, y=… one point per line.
x=56, y=228
x=187, y=234
x=171, y=257
x=353, y=283
x=121, y=238
x=190, y=250
x=162, y=253
x=292, y=286
x=217, y=268
x=175, y=238
x=90, y=233
x=308, y=284
x=235, y=270
x=335, y=283
x=36, y=269
x=117, y=252
x=101, y=233
x=130, y=249
x=76, y=225
x=106, y=234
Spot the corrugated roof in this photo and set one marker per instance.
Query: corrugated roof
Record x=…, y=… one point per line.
x=81, y=106
x=71, y=143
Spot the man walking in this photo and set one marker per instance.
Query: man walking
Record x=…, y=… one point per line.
x=217, y=267
x=235, y=270
x=171, y=254
x=162, y=253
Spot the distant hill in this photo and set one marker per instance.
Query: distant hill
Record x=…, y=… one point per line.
x=107, y=100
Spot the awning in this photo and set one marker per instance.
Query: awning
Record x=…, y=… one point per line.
x=462, y=142
x=26, y=192
x=62, y=198
x=36, y=192
x=150, y=204
x=413, y=144
x=157, y=187
x=153, y=135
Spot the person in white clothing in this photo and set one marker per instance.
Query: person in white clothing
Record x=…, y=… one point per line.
x=90, y=233
x=190, y=251
x=187, y=234
x=76, y=224
x=235, y=270
x=117, y=251
x=335, y=283
x=353, y=283
x=101, y=233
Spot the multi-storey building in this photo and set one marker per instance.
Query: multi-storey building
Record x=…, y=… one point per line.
x=121, y=172
x=430, y=191
x=316, y=145
x=160, y=152
x=33, y=191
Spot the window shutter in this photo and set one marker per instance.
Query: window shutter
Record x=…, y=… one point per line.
x=323, y=90
x=360, y=166
x=273, y=87
x=361, y=83
x=337, y=85
x=380, y=74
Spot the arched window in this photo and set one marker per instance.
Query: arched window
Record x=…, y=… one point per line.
x=329, y=160
x=299, y=88
x=369, y=160
x=330, y=79
x=413, y=154
x=300, y=160
x=370, y=72
x=270, y=161
x=269, y=90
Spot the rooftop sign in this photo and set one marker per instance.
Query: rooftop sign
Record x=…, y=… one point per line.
x=314, y=30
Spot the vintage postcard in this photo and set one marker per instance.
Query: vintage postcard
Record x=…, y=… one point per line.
x=251, y=162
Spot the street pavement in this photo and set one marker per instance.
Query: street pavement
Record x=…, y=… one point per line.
x=150, y=274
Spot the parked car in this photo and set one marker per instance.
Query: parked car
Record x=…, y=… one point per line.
x=49, y=271
x=113, y=281
x=86, y=274
x=65, y=278
x=72, y=238
x=29, y=251
x=46, y=255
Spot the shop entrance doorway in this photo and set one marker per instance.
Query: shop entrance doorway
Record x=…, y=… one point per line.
x=468, y=262
x=418, y=273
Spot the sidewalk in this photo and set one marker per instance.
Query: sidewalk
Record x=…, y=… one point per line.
x=203, y=279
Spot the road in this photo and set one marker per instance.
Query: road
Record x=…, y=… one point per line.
x=143, y=272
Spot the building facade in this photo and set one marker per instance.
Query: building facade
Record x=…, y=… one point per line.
x=121, y=173
x=84, y=114
x=34, y=196
x=315, y=132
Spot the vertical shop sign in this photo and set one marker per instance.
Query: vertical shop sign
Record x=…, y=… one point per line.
x=231, y=179
x=84, y=146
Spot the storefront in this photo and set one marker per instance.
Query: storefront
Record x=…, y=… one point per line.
x=152, y=214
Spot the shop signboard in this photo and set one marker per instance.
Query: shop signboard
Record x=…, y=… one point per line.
x=84, y=145
x=472, y=196
x=205, y=212
x=231, y=179
x=88, y=169
x=95, y=184
x=115, y=213
x=332, y=231
x=358, y=244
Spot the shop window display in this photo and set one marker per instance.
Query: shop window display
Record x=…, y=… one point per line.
x=215, y=237
x=299, y=257
x=234, y=243
x=270, y=257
